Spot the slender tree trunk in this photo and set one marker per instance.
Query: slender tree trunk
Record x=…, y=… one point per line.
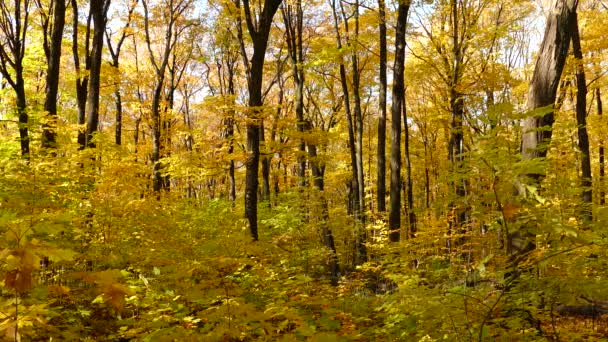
x=293, y=18
x=409, y=188
x=229, y=130
x=115, y=54
x=12, y=52
x=357, y=119
x=82, y=78
x=358, y=116
x=266, y=157
x=259, y=31
x=157, y=181
x=397, y=107
x=22, y=114
x=381, y=167
x=353, y=203
x=99, y=10
x=601, y=159
x=456, y=142
x=581, y=119
x=52, y=74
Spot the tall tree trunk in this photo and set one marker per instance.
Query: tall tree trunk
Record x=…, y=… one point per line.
x=358, y=116
x=353, y=202
x=82, y=76
x=52, y=74
x=160, y=64
x=259, y=30
x=12, y=52
x=115, y=54
x=381, y=166
x=409, y=188
x=357, y=120
x=397, y=107
x=542, y=93
x=99, y=10
x=456, y=142
x=581, y=119
x=266, y=157
x=23, y=116
x=293, y=18
x=601, y=159
x=545, y=80
x=229, y=126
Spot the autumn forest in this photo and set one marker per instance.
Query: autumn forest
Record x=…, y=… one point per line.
x=303, y=170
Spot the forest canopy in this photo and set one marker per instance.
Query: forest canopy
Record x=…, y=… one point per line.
x=236, y=170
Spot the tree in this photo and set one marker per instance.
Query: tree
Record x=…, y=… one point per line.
x=82, y=76
x=52, y=51
x=258, y=27
x=381, y=158
x=581, y=116
x=99, y=12
x=543, y=87
x=14, y=24
x=293, y=17
x=115, y=55
x=601, y=155
x=354, y=118
x=397, y=108
x=173, y=11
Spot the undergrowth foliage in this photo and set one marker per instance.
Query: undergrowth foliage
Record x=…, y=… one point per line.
x=90, y=252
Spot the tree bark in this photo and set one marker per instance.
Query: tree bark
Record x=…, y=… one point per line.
x=581, y=119
x=82, y=76
x=541, y=95
x=99, y=10
x=259, y=31
x=381, y=161
x=353, y=201
x=409, y=188
x=545, y=80
x=397, y=107
x=293, y=19
x=456, y=143
x=14, y=31
x=115, y=54
x=160, y=65
x=601, y=158
x=52, y=74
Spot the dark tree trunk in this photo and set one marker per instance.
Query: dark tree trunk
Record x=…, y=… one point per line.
x=409, y=188
x=293, y=18
x=358, y=116
x=356, y=121
x=115, y=54
x=230, y=63
x=52, y=74
x=398, y=104
x=12, y=53
x=22, y=114
x=99, y=10
x=82, y=76
x=266, y=157
x=581, y=119
x=456, y=142
x=381, y=166
x=543, y=87
x=160, y=64
x=601, y=160
x=259, y=30
x=353, y=201
x=541, y=95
